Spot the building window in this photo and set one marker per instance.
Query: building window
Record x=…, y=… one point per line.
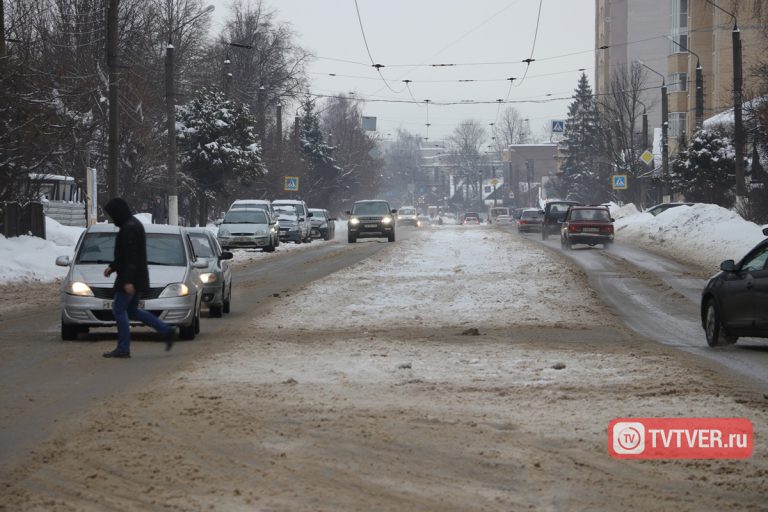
x=679, y=26
x=677, y=122
x=677, y=82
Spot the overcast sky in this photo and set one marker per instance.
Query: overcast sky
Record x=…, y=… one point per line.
x=423, y=32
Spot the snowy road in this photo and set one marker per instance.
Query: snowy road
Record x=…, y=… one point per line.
x=660, y=299
x=458, y=369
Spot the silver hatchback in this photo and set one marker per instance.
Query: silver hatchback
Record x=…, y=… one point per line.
x=175, y=291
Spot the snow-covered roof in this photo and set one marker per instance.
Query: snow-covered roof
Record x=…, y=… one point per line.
x=726, y=117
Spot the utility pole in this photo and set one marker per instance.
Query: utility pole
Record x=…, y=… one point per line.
x=2, y=29
x=261, y=117
x=699, y=95
x=279, y=127
x=170, y=120
x=227, y=78
x=664, y=141
x=645, y=129
x=113, y=159
x=738, y=122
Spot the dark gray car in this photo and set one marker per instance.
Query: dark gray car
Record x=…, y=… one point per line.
x=217, y=278
x=323, y=225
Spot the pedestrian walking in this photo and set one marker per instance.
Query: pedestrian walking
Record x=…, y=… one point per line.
x=130, y=264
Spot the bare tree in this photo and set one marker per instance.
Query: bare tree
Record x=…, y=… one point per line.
x=510, y=128
x=464, y=146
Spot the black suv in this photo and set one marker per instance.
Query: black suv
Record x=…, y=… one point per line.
x=554, y=214
x=371, y=219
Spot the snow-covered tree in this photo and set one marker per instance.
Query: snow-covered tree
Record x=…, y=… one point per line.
x=218, y=146
x=581, y=178
x=704, y=169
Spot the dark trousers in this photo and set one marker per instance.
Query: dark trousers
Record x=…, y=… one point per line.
x=125, y=307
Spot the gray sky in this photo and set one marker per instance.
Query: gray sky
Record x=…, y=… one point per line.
x=422, y=32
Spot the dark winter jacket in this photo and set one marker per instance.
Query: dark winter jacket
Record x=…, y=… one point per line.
x=130, y=261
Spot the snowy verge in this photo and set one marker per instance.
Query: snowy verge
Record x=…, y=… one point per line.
x=449, y=277
x=705, y=234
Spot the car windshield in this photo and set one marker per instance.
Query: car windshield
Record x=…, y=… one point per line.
x=318, y=215
x=162, y=249
x=596, y=214
x=286, y=212
x=245, y=217
x=558, y=208
x=201, y=245
x=298, y=207
x=531, y=214
x=406, y=211
x=240, y=206
x=370, y=209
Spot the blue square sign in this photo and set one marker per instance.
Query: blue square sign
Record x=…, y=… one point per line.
x=619, y=181
x=291, y=184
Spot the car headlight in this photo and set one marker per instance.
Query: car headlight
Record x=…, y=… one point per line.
x=386, y=220
x=208, y=277
x=79, y=288
x=223, y=232
x=261, y=232
x=175, y=290
x=354, y=221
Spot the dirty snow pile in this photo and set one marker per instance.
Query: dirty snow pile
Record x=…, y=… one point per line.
x=705, y=234
x=446, y=277
x=28, y=258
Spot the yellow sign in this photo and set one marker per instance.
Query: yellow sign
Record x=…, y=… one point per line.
x=647, y=157
x=494, y=182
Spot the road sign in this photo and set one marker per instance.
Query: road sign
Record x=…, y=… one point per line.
x=369, y=124
x=647, y=157
x=494, y=182
x=558, y=126
x=291, y=184
x=619, y=181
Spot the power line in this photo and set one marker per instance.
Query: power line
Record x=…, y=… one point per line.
x=368, y=50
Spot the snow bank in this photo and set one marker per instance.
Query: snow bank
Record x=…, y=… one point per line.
x=28, y=258
x=705, y=234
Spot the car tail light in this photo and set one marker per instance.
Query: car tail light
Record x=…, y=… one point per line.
x=607, y=229
x=523, y=221
x=574, y=229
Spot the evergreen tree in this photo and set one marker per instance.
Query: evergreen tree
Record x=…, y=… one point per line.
x=581, y=178
x=704, y=169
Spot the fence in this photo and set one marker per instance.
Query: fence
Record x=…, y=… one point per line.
x=16, y=220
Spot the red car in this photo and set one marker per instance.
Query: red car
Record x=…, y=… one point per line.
x=589, y=225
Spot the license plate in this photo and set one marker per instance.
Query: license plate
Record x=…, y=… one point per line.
x=370, y=225
x=108, y=304
x=591, y=230
x=243, y=239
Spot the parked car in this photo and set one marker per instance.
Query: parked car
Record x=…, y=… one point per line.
x=290, y=228
x=248, y=228
x=174, y=296
x=516, y=213
x=424, y=220
x=323, y=225
x=303, y=213
x=530, y=220
x=471, y=218
x=407, y=216
x=495, y=211
x=734, y=302
x=504, y=220
x=371, y=219
x=264, y=204
x=589, y=225
x=655, y=210
x=553, y=214
x=217, y=278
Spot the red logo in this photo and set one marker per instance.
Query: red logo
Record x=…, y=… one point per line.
x=680, y=438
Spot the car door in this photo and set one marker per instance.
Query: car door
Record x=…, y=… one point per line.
x=737, y=299
x=759, y=291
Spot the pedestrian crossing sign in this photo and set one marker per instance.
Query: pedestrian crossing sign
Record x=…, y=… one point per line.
x=619, y=181
x=291, y=184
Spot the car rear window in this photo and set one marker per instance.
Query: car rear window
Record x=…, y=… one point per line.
x=162, y=249
x=533, y=214
x=600, y=214
x=406, y=211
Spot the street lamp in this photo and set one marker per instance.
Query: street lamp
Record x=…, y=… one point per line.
x=699, y=85
x=664, y=131
x=170, y=105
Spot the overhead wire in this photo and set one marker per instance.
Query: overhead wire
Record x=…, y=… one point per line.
x=368, y=50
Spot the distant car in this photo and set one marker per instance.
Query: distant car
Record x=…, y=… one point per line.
x=471, y=218
x=217, y=278
x=591, y=225
x=516, y=213
x=303, y=213
x=174, y=296
x=407, y=216
x=264, y=204
x=248, y=228
x=323, y=225
x=530, y=220
x=655, y=210
x=371, y=219
x=424, y=220
x=290, y=228
x=553, y=214
x=734, y=302
x=504, y=220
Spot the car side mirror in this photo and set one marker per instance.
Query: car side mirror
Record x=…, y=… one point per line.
x=226, y=255
x=331, y=219
x=394, y=212
x=348, y=212
x=765, y=231
x=301, y=219
x=728, y=266
x=612, y=219
x=310, y=214
x=200, y=263
x=63, y=261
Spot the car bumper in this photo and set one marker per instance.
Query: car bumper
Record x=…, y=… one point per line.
x=290, y=236
x=529, y=227
x=377, y=231
x=95, y=312
x=319, y=232
x=407, y=222
x=244, y=242
x=589, y=238
x=213, y=293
